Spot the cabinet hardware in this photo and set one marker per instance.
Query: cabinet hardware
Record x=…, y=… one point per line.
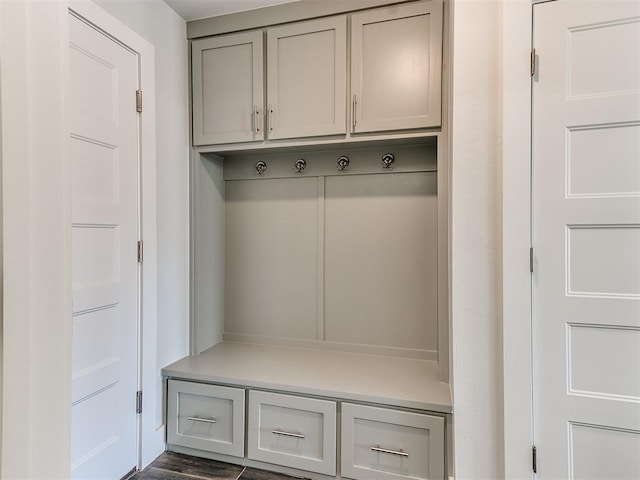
x=287, y=434
x=255, y=120
x=533, y=61
x=140, y=251
x=388, y=160
x=300, y=165
x=202, y=419
x=531, y=258
x=353, y=113
x=139, y=101
x=261, y=167
x=139, y=401
x=343, y=163
x=401, y=453
x=270, y=119
x=534, y=459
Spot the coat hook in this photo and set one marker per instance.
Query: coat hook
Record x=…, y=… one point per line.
x=388, y=160
x=261, y=167
x=343, y=162
x=300, y=165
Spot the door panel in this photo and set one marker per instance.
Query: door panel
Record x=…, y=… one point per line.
x=396, y=84
x=586, y=235
x=228, y=89
x=104, y=159
x=361, y=217
x=306, y=78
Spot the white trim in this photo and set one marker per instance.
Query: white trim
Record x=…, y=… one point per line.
x=517, y=362
x=151, y=439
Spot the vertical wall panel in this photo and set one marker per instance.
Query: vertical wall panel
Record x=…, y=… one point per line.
x=271, y=257
x=381, y=260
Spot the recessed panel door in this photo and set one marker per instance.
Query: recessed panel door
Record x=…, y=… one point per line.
x=104, y=165
x=396, y=56
x=306, y=78
x=228, y=89
x=586, y=236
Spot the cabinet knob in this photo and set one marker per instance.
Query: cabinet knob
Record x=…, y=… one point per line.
x=261, y=167
x=343, y=163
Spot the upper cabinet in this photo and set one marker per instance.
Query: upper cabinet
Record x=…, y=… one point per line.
x=228, y=89
x=306, y=83
x=295, y=86
x=396, y=57
x=306, y=79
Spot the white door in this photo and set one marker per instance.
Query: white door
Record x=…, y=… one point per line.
x=586, y=236
x=104, y=156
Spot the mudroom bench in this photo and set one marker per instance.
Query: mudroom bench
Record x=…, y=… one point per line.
x=310, y=412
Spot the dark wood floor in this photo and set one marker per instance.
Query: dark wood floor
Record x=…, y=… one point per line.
x=175, y=466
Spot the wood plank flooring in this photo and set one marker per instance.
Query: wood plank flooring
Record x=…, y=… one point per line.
x=175, y=466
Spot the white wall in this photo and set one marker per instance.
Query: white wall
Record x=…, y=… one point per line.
x=476, y=128
x=166, y=31
x=36, y=315
x=36, y=240
x=36, y=323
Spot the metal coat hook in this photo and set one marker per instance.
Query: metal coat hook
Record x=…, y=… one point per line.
x=343, y=163
x=300, y=165
x=388, y=160
x=261, y=167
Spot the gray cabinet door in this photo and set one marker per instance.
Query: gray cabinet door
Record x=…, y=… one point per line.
x=292, y=431
x=206, y=417
x=396, y=58
x=385, y=444
x=228, y=89
x=306, y=78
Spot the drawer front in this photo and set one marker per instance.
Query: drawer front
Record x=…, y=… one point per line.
x=206, y=417
x=292, y=431
x=383, y=444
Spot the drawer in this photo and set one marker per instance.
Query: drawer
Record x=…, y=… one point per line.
x=206, y=417
x=292, y=431
x=384, y=444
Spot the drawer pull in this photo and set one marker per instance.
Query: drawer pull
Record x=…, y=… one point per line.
x=202, y=419
x=377, y=448
x=287, y=434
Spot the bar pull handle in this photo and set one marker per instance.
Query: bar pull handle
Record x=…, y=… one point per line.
x=270, y=118
x=378, y=448
x=256, y=120
x=202, y=419
x=354, y=109
x=287, y=434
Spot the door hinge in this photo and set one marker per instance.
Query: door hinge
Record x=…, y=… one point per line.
x=533, y=61
x=534, y=459
x=139, y=401
x=531, y=259
x=138, y=101
x=140, y=251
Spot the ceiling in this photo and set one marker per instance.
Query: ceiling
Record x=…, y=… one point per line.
x=196, y=9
